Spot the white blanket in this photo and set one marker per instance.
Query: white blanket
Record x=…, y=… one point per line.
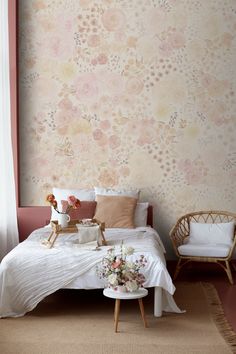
x=31, y=271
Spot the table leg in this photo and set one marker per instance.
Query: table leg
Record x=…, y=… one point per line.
x=140, y=301
x=117, y=312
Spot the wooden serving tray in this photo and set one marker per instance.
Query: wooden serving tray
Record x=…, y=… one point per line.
x=70, y=228
x=57, y=229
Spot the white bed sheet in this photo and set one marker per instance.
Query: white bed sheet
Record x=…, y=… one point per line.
x=31, y=271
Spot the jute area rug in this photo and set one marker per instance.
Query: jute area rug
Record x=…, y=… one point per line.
x=80, y=321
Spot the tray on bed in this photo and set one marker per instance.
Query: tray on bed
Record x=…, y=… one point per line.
x=71, y=228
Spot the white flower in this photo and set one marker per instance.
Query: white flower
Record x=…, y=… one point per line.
x=131, y=285
x=130, y=265
x=127, y=250
x=112, y=279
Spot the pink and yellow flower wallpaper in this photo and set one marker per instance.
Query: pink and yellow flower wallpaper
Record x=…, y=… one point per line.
x=131, y=93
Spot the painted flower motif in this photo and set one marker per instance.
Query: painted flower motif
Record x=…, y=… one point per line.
x=177, y=40
x=59, y=48
x=86, y=87
x=124, y=171
x=156, y=20
x=134, y=86
x=108, y=178
x=98, y=134
x=105, y=124
x=114, y=141
x=114, y=83
x=113, y=19
x=218, y=114
x=93, y=40
x=195, y=171
x=102, y=59
x=67, y=71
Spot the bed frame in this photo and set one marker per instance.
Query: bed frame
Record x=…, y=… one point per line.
x=150, y=216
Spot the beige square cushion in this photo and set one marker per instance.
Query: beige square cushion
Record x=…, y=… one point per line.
x=116, y=211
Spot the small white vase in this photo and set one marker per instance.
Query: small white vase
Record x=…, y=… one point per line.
x=63, y=220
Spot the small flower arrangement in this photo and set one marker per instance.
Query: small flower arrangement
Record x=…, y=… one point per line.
x=73, y=203
x=119, y=272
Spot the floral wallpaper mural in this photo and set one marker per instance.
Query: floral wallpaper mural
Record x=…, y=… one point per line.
x=132, y=93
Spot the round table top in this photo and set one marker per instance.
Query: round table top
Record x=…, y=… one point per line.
x=114, y=294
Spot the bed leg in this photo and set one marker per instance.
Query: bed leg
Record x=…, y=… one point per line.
x=158, y=301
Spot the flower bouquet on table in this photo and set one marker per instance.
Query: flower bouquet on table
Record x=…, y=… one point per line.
x=73, y=203
x=119, y=273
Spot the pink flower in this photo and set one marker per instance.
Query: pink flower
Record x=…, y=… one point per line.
x=50, y=198
x=71, y=200
x=116, y=264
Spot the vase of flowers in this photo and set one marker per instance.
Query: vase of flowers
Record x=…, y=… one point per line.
x=63, y=216
x=120, y=273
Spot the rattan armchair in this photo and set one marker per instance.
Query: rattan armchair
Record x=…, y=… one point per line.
x=181, y=231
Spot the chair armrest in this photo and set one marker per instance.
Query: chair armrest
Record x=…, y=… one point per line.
x=179, y=232
x=233, y=245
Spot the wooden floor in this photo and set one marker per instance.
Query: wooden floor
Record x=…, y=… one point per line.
x=214, y=274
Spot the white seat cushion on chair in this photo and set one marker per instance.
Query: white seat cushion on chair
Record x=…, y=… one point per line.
x=205, y=250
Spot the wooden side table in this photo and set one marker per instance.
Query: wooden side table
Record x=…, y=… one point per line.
x=139, y=294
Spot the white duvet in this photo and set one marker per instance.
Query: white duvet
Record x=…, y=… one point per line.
x=31, y=271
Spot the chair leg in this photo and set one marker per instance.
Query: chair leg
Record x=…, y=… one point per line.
x=228, y=271
x=177, y=269
x=179, y=266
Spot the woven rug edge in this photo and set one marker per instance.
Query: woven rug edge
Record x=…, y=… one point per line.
x=218, y=315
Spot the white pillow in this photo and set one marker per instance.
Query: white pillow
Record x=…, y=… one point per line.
x=62, y=194
x=211, y=233
x=121, y=192
x=140, y=214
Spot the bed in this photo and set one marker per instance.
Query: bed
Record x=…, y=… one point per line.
x=31, y=271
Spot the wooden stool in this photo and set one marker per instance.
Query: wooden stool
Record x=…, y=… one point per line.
x=139, y=294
